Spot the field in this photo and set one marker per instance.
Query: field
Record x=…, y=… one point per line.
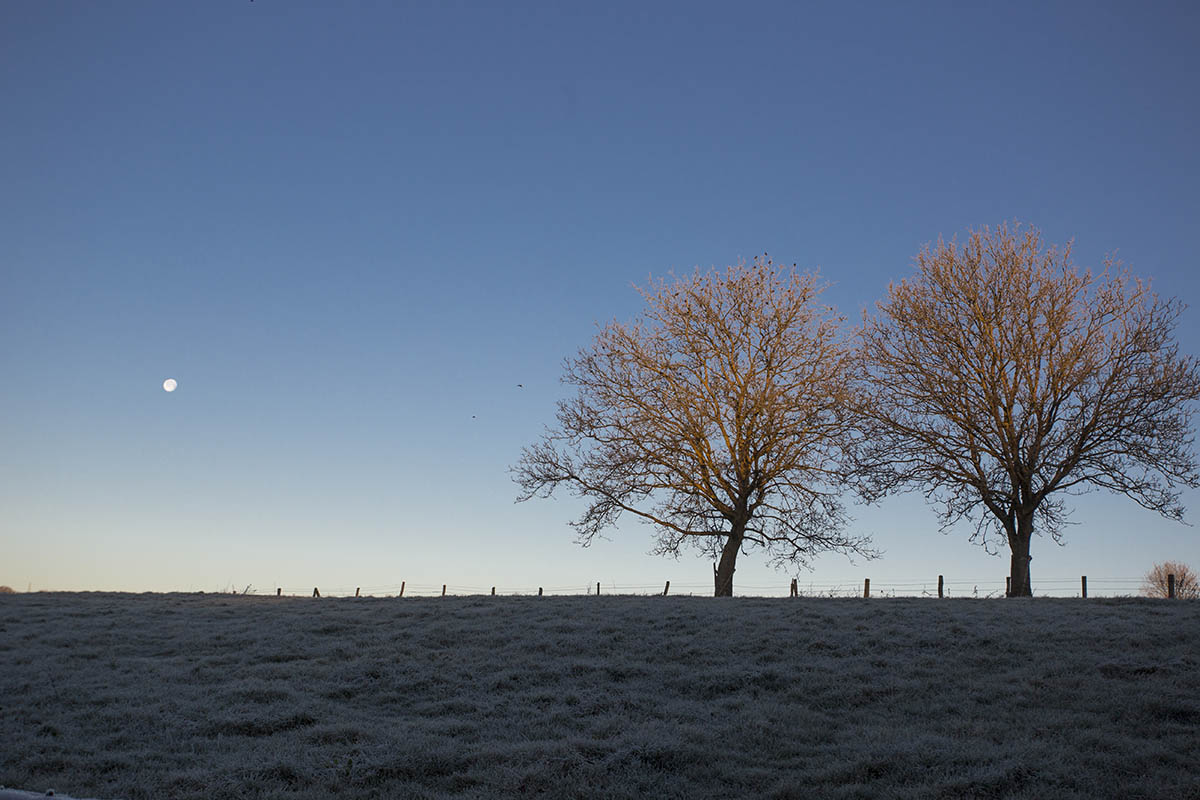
x=199, y=696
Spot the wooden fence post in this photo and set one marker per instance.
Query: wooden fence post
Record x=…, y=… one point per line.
x=315, y=592
x=1008, y=586
x=1083, y=585
x=667, y=589
x=1170, y=587
x=867, y=587
x=539, y=591
x=493, y=591
x=357, y=590
x=443, y=590
x=940, y=586
x=402, y=588
x=795, y=592
x=279, y=592
x=597, y=588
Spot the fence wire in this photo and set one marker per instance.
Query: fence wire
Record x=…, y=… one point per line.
x=982, y=588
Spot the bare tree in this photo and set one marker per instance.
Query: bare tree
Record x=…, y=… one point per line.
x=716, y=417
x=1001, y=378
x=1187, y=584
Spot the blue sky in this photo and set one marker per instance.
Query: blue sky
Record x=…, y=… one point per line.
x=350, y=230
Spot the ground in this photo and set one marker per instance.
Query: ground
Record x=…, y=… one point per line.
x=199, y=696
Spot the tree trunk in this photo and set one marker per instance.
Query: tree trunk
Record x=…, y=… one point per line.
x=1018, y=544
x=725, y=568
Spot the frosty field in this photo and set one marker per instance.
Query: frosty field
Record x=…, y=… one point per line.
x=198, y=696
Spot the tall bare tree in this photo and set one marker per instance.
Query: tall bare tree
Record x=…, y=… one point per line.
x=1158, y=584
x=716, y=417
x=1001, y=378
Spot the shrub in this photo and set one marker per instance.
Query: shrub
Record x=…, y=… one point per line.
x=1187, y=586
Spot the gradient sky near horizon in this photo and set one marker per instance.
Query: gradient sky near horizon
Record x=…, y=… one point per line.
x=350, y=230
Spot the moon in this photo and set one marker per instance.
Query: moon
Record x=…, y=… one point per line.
x=169, y=385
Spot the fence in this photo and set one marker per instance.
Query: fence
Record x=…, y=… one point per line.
x=938, y=586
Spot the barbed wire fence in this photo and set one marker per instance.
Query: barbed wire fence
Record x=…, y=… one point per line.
x=986, y=588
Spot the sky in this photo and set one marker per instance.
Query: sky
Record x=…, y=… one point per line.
x=350, y=230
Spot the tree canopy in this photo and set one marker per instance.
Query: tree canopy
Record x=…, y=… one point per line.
x=717, y=417
x=1001, y=378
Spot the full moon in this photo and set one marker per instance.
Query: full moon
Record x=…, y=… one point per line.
x=169, y=385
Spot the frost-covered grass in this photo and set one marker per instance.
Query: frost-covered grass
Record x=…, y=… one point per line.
x=198, y=696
